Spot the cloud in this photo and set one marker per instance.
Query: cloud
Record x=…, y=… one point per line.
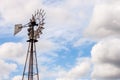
x=12, y=51
x=49, y=72
x=60, y=24
x=16, y=12
x=104, y=25
x=79, y=71
x=105, y=20
x=18, y=51
x=63, y=21
x=106, y=59
x=17, y=78
x=6, y=69
x=46, y=46
x=47, y=51
x=9, y=9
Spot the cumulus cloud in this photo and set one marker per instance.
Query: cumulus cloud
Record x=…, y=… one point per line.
x=12, y=51
x=106, y=59
x=79, y=71
x=17, y=51
x=105, y=20
x=105, y=25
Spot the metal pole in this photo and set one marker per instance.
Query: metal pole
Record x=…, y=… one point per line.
x=30, y=73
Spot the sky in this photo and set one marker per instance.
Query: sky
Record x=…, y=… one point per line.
x=80, y=40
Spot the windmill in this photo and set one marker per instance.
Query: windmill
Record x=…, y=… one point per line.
x=35, y=27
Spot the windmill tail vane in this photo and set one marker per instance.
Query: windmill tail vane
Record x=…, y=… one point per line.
x=35, y=27
x=18, y=28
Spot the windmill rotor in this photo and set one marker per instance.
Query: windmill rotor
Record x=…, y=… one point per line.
x=36, y=20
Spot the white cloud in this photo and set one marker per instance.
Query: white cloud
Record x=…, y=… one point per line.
x=18, y=51
x=79, y=71
x=109, y=47
x=62, y=21
x=105, y=54
x=106, y=72
x=17, y=77
x=10, y=8
x=16, y=12
x=105, y=58
x=6, y=69
x=105, y=20
x=47, y=51
x=12, y=51
x=46, y=46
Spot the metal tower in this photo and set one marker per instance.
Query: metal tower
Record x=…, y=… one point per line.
x=35, y=27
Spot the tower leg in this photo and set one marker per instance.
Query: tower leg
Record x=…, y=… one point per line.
x=36, y=62
x=26, y=61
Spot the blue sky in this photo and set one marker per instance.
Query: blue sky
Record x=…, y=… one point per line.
x=80, y=40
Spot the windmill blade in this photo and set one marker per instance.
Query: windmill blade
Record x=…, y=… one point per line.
x=43, y=20
x=18, y=28
x=35, y=13
x=42, y=11
x=43, y=14
x=38, y=32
